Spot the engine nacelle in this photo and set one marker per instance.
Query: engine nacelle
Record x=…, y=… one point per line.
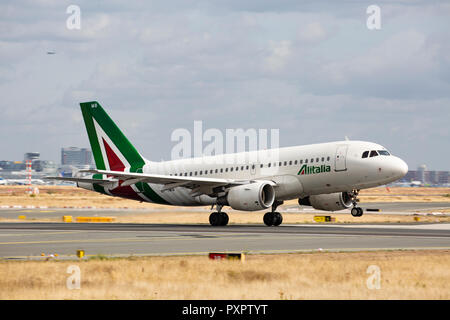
x=328, y=202
x=251, y=197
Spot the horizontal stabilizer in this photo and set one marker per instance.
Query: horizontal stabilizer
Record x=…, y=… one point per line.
x=86, y=180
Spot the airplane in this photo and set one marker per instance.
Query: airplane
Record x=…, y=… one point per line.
x=326, y=176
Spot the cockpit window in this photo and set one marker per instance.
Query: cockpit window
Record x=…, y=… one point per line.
x=383, y=153
x=365, y=154
x=373, y=153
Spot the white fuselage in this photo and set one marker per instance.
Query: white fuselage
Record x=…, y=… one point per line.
x=297, y=171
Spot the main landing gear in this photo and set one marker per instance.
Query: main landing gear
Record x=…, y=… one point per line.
x=273, y=218
x=356, y=211
x=219, y=218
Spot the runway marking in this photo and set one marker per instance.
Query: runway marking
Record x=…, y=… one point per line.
x=150, y=239
x=39, y=233
x=192, y=238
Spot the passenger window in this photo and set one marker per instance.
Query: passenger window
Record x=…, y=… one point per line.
x=306, y=160
x=242, y=168
x=365, y=154
x=295, y=162
x=290, y=163
x=312, y=160
x=269, y=165
x=373, y=153
x=190, y=173
x=253, y=166
x=328, y=158
x=246, y=168
x=280, y=164
x=301, y=161
x=201, y=172
x=323, y=159
x=237, y=168
x=317, y=159
x=226, y=169
x=231, y=169
x=217, y=170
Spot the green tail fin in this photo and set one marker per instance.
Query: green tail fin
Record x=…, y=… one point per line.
x=111, y=149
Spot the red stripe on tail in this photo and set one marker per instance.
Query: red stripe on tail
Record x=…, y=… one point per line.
x=115, y=164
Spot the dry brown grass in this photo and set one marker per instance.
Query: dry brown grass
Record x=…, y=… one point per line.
x=404, y=275
x=66, y=196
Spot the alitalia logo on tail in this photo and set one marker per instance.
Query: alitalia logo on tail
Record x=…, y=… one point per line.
x=305, y=169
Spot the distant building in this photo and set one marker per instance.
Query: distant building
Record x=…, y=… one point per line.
x=44, y=166
x=12, y=165
x=76, y=156
x=427, y=177
x=421, y=173
x=31, y=156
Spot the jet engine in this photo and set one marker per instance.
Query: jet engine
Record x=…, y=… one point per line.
x=328, y=202
x=250, y=197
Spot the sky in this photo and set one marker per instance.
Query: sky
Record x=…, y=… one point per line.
x=311, y=69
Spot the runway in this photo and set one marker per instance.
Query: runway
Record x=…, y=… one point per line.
x=399, y=208
x=29, y=240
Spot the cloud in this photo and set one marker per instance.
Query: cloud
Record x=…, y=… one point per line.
x=310, y=69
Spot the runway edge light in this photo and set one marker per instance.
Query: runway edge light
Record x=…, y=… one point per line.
x=80, y=254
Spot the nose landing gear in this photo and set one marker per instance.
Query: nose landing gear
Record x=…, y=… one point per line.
x=356, y=211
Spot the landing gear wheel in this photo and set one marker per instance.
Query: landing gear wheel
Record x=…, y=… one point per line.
x=269, y=219
x=357, y=211
x=273, y=219
x=218, y=219
x=224, y=217
x=278, y=219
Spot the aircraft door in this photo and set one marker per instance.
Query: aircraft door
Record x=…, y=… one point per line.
x=340, y=163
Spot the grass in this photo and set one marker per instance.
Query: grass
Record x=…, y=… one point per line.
x=67, y=196
x=403, y=275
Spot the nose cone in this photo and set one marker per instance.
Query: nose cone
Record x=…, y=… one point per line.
x=401, y=168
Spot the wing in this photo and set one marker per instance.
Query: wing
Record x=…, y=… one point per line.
x=198, y=186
